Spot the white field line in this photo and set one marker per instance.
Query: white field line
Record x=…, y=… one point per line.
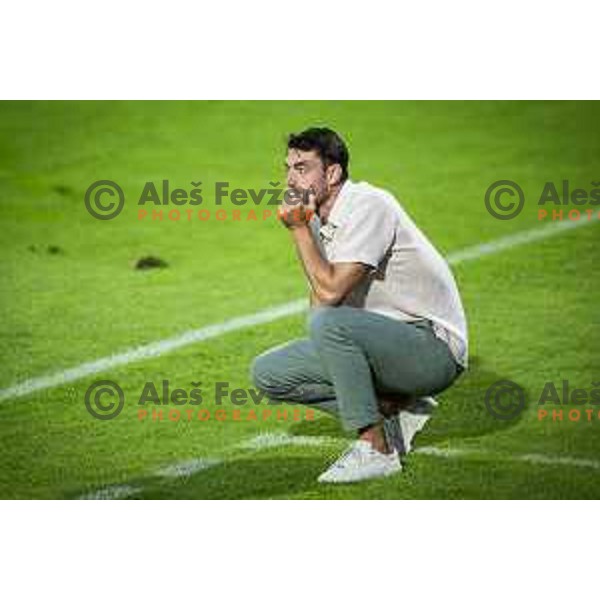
x=274, y=440
x=193, y=336
x=178, y=470
x=536, y=459
x=113, y=492
x=563, y=461
x=186, y=468
x=278, y=440
x=151, y=350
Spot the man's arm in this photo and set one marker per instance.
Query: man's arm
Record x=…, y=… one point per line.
x=330, y=282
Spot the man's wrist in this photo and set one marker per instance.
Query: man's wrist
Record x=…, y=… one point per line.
x=299, y=228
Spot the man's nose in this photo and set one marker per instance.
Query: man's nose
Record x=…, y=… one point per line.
x=291, y=180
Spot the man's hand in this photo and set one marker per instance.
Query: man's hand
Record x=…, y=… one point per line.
x=295, y=216
x=297, y=209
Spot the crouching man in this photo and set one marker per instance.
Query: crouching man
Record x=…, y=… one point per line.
x=386, y=327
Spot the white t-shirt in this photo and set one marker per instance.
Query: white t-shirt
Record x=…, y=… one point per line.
x=409, y=280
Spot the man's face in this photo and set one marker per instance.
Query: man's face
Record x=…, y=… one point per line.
x=306, y=173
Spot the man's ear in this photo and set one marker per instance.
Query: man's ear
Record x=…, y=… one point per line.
x=334, y=174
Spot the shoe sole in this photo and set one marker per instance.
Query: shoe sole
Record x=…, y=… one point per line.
x=380, y=476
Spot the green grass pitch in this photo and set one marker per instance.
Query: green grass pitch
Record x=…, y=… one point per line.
x=70, y=294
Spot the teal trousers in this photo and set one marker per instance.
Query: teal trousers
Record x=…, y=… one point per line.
x=349, y=358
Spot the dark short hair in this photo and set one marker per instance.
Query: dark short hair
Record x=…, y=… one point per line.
x=329, y=146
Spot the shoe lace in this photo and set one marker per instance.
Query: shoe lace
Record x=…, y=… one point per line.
x=355, y=450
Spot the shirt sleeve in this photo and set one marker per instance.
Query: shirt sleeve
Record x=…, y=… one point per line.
x=366, y=234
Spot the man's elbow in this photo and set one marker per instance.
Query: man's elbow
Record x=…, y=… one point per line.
x=329, y=297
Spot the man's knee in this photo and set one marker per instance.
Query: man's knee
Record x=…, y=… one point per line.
x=260, y=372
x=266, y=376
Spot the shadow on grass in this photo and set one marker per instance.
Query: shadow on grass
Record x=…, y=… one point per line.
x=462, y=411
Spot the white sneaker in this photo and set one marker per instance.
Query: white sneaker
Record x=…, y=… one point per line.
x=361, y=461
x=414, y=419
x=401, y=429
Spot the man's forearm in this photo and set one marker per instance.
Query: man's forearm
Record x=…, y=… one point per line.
x=319, y=271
